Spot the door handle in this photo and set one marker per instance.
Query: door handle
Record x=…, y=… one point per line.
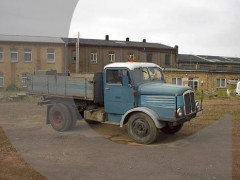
x=107, y=88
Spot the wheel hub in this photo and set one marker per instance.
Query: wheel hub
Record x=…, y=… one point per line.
x=57, y=118
x=141, y=127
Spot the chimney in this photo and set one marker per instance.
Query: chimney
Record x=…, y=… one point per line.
x=144, y=40
x=127, y=39
x=176, y=47
x=107, y=37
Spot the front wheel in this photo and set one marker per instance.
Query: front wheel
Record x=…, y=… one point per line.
x=142, y=129
x=171, y=129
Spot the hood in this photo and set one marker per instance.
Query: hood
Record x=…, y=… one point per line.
x=156, y=88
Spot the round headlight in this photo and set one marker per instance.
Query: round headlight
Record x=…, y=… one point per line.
x=197, y=104
x=179, y=112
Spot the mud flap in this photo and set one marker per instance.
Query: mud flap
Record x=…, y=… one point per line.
x=47, y=118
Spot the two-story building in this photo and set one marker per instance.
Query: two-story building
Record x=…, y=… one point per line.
x=210, y=72
x=95, y=54
x=21, y=55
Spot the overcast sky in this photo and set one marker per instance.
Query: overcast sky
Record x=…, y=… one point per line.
x=205, y=27
x=36, y=17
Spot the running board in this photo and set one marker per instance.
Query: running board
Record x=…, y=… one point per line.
x=111, y=122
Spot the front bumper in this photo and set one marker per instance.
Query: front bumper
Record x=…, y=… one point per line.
x=187, y=118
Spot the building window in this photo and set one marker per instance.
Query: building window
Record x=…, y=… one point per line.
x=221, y=83
x=193, y=83
x=188, y=67
x=24, y=80
x=50, y=56
x=93, y=58
x=131, y=56
x=221, y=68
x=204, y=67
x=74, y=57
x=236, y=68
x=167, y=60
x=1, y=54
x=27, y=55
x=232, y=81
x=177, y=81
x=111, y=57
x=149, y=57
x=14, y=55
x=1, y=80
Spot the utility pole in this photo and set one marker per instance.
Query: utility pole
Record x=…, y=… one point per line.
x=77, y=53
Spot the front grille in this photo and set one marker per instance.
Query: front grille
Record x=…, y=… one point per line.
x=189, y=102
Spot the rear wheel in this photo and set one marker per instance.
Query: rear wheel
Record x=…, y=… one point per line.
x=142, y=129
x=171, y=129
x=60, y=117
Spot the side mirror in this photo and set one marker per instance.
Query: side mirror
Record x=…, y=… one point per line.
x=125, y=80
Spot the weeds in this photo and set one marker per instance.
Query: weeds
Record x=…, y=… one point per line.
x=9, y=96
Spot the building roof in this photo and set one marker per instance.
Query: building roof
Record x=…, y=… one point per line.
x=131, y=65
x=116, y=43
x=30, y=39
x=91, y=42
x=203, y=59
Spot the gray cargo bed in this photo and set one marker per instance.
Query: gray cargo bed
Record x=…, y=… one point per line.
x=87, y=87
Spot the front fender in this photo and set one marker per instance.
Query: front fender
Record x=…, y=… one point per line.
x=149, y=112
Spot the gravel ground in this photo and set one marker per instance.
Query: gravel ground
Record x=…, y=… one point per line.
x=202, y=150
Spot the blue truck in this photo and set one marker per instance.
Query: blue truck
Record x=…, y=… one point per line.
x=129, y=93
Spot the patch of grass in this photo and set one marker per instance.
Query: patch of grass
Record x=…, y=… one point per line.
x=216, y=107
x=12, y=88
x=8, y=96
x=222, y=93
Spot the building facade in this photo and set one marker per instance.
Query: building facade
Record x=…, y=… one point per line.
x=209, y=73
x=22, y=55
x=95, y=54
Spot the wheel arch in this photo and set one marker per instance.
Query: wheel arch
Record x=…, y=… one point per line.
x=152, y=114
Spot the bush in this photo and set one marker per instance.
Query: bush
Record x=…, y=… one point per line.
x=198, y=94
x=222, y=93
x=12, y=88
x=232, y=89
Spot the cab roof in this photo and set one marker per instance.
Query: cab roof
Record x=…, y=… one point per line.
x=131, y=65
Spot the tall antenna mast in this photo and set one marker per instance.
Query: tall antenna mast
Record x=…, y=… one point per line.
x=77, y=53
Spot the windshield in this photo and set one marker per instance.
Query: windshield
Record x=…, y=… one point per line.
x=146, y=74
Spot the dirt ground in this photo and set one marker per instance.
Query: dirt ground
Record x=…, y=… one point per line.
x=13, y=166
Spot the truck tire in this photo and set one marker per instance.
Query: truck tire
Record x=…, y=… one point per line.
x=73, y=117
x=141, y=128
x=60, y=117
x=171, y=129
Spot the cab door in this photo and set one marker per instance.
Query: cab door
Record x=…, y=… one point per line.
x=118, y=96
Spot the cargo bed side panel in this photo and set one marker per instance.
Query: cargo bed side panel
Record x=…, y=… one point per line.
x=39, y=84
x=79, y=87
x=62, y=86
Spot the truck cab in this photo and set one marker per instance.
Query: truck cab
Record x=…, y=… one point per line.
x=136, y=94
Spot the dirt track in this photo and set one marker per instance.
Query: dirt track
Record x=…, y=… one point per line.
x=13, y=166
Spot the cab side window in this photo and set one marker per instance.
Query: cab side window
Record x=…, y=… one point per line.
x=114, y=76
